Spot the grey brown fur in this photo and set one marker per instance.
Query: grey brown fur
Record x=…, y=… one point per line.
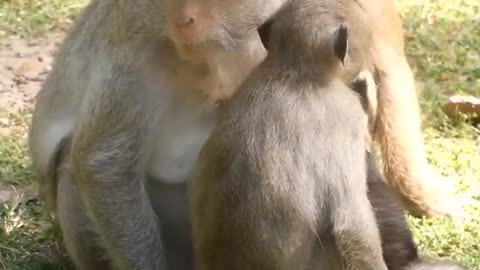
x=281, y=182
x=121, y=117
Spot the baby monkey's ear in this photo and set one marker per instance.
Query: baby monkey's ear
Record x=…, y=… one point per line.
x=340, y=43
x=264, y=31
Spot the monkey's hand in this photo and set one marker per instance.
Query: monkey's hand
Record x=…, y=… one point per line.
x=108, y=161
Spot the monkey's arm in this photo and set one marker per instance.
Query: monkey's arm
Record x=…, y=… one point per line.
x=108, y=161
x=398, y=131
x=398, y=125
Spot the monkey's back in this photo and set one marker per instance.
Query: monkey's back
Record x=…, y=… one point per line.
x=285, y=151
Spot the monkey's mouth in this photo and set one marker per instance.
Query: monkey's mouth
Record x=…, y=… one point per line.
x=199, y=43
x=188, y=49
x=193, y=45
x=195, y=52
x=191, y=36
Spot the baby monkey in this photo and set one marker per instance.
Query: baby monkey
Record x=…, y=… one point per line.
x=281, y=182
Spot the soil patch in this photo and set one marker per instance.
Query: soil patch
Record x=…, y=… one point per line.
x=24, y=64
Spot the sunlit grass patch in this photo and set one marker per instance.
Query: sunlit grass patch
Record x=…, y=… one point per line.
x=24, y=17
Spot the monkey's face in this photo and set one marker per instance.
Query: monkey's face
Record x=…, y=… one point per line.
x=192, y=24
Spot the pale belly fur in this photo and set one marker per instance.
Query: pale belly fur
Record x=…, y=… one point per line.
x=181, y=135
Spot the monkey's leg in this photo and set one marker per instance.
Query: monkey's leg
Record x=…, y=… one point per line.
x=170, y=202
x=399, y=249
x=398, y=131
x=356, y=234
x=81, y=241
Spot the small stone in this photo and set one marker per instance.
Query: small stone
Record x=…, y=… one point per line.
x=467, y=105
x=5, y=196
x=30, y=69
x=5, y=131
x=4, y=122
x=9, y=194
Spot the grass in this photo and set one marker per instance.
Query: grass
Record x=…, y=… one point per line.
x=25, y=17
x=443, y=46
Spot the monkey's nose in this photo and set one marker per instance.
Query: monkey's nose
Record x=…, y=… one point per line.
x=185, y=21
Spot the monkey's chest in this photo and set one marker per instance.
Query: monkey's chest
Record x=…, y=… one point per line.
x=180, y=136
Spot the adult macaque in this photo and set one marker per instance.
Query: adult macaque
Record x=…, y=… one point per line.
x=121, y=117
x=397, y=121
x=281, y=181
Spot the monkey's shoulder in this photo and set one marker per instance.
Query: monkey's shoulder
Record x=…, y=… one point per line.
x=279, y=107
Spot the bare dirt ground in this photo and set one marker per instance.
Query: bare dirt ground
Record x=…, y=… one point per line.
x=24, y=64
x=27, y=238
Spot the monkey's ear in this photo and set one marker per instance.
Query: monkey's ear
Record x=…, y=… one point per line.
x=264, y=31
x=340, y=43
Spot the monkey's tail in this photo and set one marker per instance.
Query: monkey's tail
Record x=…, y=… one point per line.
x=434, y=265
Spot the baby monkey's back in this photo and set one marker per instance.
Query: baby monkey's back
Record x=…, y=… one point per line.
x=283, y=175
